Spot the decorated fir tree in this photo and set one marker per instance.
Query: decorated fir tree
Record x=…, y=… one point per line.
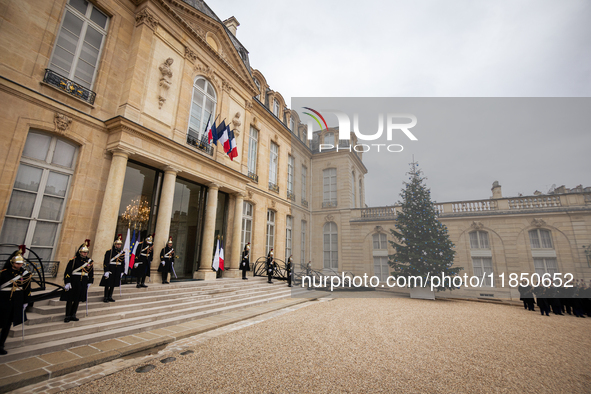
x=422, y=243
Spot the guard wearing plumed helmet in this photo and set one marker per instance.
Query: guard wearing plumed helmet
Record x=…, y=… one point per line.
x=113, y=265
x=167, y=256
x=15, y=290
x=141, y=267
x=78, y=277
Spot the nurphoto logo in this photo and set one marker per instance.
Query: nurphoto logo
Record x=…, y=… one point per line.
x=392, y=124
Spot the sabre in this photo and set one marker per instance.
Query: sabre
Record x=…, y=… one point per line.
x=23, y=324
x=86, y=300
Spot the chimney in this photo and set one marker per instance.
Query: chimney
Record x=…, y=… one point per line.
x=496, y=190
x=232, y=24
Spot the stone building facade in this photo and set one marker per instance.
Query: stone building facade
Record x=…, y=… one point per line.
x=105, y=105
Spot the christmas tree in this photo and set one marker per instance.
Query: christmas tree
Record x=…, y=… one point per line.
x=422, y=243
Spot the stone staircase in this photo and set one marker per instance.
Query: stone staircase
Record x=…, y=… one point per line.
x=135, y=310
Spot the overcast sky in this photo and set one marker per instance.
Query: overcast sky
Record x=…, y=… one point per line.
x=433, y=48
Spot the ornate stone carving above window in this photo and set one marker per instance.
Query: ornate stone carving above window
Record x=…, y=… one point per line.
x=144, y=16
x=62, y=123
x=538, y=222
x=477, y=225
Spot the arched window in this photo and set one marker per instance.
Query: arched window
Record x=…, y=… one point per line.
x=36, y=208
x=543, y=251
x=202, y=108
x=331, y=244
x=481, y=256
x=270, y=231
x=380, y=256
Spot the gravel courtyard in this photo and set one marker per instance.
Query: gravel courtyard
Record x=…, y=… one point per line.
x=382, y=345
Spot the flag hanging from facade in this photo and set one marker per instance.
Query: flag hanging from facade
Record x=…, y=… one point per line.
x=216, y=258
x=133, y=248
x=218, y=131
x=212, y=134
x=222, y=256
x=224, y=140
x=233, y=150
x=126, y=250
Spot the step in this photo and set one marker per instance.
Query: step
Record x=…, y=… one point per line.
x=73, y=329
x=111, y=312
x=52, y=346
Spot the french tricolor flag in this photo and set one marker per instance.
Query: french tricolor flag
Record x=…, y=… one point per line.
x=212, y=134
x=224, y=139
x=233, y=151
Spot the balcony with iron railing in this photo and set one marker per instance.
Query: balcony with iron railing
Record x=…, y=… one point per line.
x=200, y=143
x=304, y=202
x=273, y=187
x=68, y=86
x=329, y=204
x=253, y=176
x=291, y=196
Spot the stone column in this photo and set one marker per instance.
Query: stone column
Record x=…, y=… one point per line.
x=233, y=270
x=164, y=213
x=205, y=272
x=105, y=230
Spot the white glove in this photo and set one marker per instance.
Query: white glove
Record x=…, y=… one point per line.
x=135, y=265
x=121, y=275
x=162, y=262
x=89, y=285
x=25, y=306
x=243, y=263
x=107, y=274
x=67, y=286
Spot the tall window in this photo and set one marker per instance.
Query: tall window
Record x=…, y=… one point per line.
x=36, y=208
x=246, y=235
x=275, y=107
x=303, y=244
x=479, y=240
x=481, y=256
x=331, y=260
x=290, y=166
x=330, y=187
x=288, y=236
x=380, y=256
x=543, y=251
x=291, y=124
x=202, y=107
x=540, y=239
x=270, y=230
x=79, y=43
x=304, y=182
x=253, y=141
x=273, y=162
x=329, y=138
x=353, y=202
x=483, y=266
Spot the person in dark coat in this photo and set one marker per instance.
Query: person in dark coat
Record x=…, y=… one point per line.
x=113, y=265
x=270, y=265
x=578, y=301
x=166, y=261
x=245, y=263
x=78, y=277
x=526, y=295
x=555, y=296
x=288, y=269
x=15, y=290
x=141, y=268
x=541, y=300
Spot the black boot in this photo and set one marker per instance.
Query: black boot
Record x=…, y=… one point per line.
x=73, y=311
x=110, y=298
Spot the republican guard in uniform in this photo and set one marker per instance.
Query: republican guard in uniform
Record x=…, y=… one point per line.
x=141, y=268
x=113, y=267
x=289, y=269
x=245, y=263
x=270, y=266
x=166, y=261
x=15, y=290
x=78, y=277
